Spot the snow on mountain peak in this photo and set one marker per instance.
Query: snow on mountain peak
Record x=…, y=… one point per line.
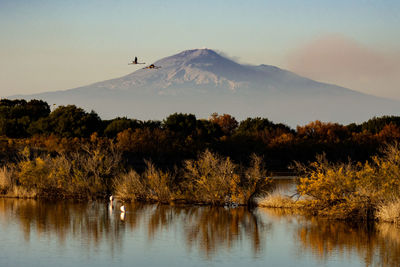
x=189, y=56
x=197, y=67
x=206, y=71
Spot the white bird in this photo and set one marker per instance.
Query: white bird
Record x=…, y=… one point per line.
x=111, y=204
x=122, y=208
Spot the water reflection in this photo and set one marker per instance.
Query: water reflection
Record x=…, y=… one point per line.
x=264, y=235
x=63, y=219
x=376, y=244
x=212, y=228
x=205, y=228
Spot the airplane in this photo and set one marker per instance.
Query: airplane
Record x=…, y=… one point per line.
x=152, y=66
x=134, y=62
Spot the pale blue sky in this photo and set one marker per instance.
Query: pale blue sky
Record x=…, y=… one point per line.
x=54, y=45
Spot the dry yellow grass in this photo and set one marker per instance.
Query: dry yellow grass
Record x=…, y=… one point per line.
x=21, y=192
x=130, y=186
x=152, y=185
x=389, y=211
x=8, y=187
x=5, y=179
x=277, y=199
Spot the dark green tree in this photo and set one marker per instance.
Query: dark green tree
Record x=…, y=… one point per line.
x=253, y=125
x=16, y=116
x=180, y=123
x=68, y=121
x=376, y=124
x=120, y=124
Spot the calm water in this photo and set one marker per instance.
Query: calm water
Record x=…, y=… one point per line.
x=38, y=233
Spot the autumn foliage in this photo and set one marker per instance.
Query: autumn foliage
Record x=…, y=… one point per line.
x=352, y=190
x=75, y=152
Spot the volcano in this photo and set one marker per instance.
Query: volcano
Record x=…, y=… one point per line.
x=201, y=81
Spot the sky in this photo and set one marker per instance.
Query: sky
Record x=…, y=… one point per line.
x=49, y=45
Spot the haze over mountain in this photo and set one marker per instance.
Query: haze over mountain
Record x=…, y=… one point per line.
x=200, y=81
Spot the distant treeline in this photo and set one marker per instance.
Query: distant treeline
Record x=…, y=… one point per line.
x=182, y=136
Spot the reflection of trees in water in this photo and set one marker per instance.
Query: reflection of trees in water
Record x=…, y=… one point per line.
x=377, y=245
x=209, y=228
x=212, y=228
x=389, y=250
x=90, y=222
x=205, y=228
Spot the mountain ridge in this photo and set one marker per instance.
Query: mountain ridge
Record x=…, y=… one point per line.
x=201, y=81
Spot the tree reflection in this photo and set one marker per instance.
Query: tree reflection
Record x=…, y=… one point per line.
x=207, y=229
x=212, y=228
x=376, y=244
x=89, y=222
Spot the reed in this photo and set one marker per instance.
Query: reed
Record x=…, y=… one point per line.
x=160, y=184
x=277, y=199
x=389, y=211
x=6, y=179
x=130, y=186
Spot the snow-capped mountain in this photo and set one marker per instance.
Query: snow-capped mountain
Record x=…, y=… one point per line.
x=201, y=81
x=200, y=69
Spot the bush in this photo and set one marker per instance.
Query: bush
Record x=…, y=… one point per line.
x=211, y=179
x=130, y=186
x=255, y=182
x=351, y=191
x=88, y=173
x=153, y=185
x=94, y=171
x=159, y=183
x=216, y=180
x=7, y=180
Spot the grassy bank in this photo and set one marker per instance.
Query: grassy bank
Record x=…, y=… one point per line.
x=349, y=191
x=96, y=171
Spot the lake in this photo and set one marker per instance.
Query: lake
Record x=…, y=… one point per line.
x=67, y=233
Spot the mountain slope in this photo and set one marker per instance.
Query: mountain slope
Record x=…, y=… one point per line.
x=201, y=81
